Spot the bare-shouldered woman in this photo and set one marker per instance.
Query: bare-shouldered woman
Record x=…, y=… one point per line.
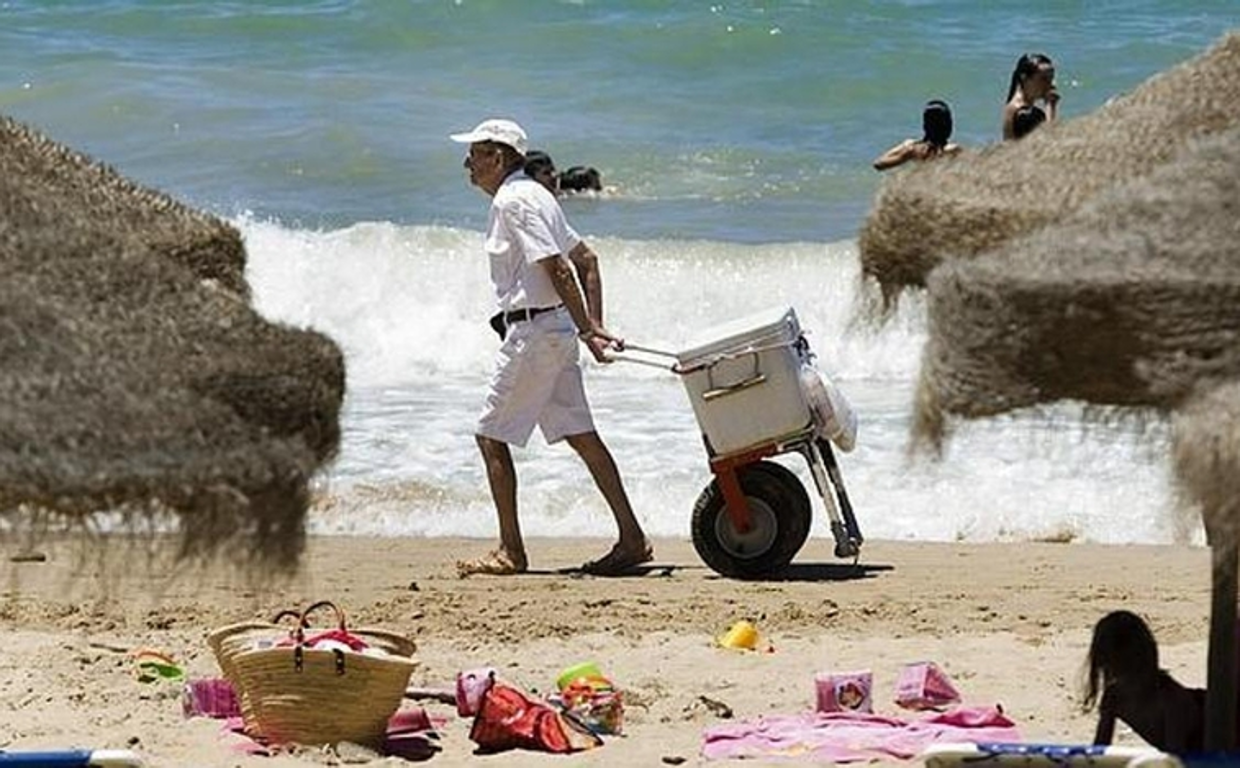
x=1033, y=81
x=936, y=123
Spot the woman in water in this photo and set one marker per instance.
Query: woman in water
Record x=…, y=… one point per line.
x=1033, y=81
x=936, y=125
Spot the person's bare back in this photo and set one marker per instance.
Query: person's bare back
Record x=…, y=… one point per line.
x=1124, y=679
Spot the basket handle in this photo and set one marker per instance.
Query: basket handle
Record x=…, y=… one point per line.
x=300, y=635
x=304, y=621
x=287, y=612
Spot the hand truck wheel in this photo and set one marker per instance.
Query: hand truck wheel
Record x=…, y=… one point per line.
x=780, y=516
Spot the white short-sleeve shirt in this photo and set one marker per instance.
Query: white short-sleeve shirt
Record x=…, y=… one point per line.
x=525, y=225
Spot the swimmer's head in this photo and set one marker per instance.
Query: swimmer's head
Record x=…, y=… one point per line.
x=540, y=168
x=936, y=122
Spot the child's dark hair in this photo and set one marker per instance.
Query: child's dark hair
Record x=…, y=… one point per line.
x=581, y=178
x=1026, y=65
x=936, y=123
x=536, y=162
x=1123, y=649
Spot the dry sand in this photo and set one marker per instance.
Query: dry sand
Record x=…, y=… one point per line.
x=1008, y=622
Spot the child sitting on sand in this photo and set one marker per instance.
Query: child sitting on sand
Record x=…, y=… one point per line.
x=1126, y=683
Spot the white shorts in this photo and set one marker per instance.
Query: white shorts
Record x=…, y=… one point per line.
x=537, y=381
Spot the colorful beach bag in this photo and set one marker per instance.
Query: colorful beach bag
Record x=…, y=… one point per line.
x=924, y=686
x=318, y=687
x=844, y=691
x=509, y=719
x=471, y=686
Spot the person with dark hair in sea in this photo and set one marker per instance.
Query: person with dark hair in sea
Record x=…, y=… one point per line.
x=1033, y=81
x=936, y=124
x=579, y=178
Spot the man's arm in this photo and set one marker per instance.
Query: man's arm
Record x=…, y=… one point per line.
x=590, y=330
x=585, y=261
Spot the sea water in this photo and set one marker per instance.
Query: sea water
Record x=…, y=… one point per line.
x=735, y=142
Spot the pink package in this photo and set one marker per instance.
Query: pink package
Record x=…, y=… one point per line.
x=209, y=697
x=924, y=686
x=471, y=686
x=844, y=691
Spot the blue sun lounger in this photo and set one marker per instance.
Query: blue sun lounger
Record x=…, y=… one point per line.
x=71, y=758
x=960, y=755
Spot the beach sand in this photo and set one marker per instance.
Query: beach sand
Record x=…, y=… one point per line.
x=1009, y=623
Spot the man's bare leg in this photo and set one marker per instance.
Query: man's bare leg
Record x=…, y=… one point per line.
x=502, y=477
x=633, y=548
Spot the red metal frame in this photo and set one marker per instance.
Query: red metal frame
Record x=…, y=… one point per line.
x=724, y=469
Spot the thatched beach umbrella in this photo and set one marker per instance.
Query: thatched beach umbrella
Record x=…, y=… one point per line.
x=1206, y=451
x=135, y=376
x=970, y=204
x=1133, y=300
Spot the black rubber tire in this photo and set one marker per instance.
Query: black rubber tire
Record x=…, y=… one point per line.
x=780, y=515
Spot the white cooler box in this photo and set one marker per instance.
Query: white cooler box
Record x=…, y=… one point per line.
x=747, y=390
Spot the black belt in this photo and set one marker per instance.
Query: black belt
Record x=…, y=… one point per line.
x=517, y=315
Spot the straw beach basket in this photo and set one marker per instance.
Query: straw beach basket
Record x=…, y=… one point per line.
x=227, y=642
x=291, y=692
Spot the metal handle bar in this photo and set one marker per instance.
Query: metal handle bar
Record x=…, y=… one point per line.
x=649, y=350
x=643, y=361
x=679, y=369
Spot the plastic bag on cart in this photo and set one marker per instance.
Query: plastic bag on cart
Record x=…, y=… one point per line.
x=833, y=414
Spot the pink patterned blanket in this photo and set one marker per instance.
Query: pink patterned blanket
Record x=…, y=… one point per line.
x=844, y=737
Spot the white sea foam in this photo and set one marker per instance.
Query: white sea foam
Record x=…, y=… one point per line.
x=409, y=306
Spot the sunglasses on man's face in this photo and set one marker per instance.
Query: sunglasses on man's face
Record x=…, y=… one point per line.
x=477, y=153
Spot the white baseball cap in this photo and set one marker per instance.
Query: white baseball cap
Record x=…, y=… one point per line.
x=497, y=130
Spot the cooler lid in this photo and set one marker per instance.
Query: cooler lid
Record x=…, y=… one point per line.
x=765, y=327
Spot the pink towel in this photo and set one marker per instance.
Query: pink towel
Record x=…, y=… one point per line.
x=210, y=697
x=843, y=737
x=411, y=734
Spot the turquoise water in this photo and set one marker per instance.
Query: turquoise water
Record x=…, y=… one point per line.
x=738, y=122
x=735, y=141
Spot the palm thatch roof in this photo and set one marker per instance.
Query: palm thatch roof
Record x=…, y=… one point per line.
x=975, y=202
x=135, y=375
x=1206, y=457
x=1134, y=300
x=1096, y=260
